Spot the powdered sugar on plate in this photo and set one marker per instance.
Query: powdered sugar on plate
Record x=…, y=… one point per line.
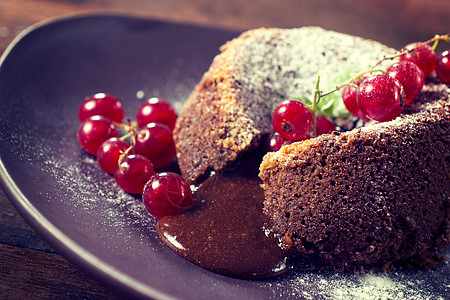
x=371, y=285
x=80, y=176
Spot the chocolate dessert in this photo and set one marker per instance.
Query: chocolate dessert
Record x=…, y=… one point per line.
x=230, y=110
x=371, y=196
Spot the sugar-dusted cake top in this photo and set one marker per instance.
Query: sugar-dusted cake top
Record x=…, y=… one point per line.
x=230, y=109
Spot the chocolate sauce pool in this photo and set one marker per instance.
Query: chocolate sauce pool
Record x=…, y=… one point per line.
x=224, y=232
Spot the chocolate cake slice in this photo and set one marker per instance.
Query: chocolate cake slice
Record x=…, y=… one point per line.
x=230, y=109
x=371, y=196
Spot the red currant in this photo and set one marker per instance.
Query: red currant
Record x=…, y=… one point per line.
x=133, y=173
x=109, y=152
x=410, y=76
x=94, y=131
x=156, y=110
x=101, y=104
x=324, y=125
x=166, y=194
x=443, y=67
x=273, y=142
x=349, y=98
x=422, y=55
x=155, y=141
x=381, y=97
x=292, y=119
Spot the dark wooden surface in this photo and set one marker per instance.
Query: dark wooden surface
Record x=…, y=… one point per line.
x=29, y=267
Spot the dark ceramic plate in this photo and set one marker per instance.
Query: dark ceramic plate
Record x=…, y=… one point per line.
x=79, y=210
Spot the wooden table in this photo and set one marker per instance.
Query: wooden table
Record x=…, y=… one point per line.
x=30, y=268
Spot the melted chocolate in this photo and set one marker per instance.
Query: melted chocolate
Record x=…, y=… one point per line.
x=224, y=232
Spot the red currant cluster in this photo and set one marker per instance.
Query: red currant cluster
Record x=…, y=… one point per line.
x=144, y=146
x=382, y=97
x=376, y=97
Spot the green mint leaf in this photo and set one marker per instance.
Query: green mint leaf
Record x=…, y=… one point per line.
x=303, y=99
x=332, y=105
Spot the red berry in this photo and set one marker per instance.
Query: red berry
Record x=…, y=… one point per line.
x=109, y=152
x=156, y=110
x=133, y=173
x=101, y=104
x=381, y=97
x=155, y=141
x=443, y=67
x=273, y=142
x=349, y=98
x=422, y=55
x=166, y=194
x=324, y=125
x=410, y=76
x=94, y=131
x=292, y=119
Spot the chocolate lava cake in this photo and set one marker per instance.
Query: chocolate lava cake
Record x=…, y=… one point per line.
x=370, y=196
x=229, y=111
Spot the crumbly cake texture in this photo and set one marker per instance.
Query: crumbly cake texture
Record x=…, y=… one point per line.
x=230, y=110
x=371, y=196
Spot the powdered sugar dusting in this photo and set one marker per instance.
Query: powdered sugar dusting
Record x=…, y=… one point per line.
x=80, y=176
x=84, y=187
x=368, y=285
x=275, y=64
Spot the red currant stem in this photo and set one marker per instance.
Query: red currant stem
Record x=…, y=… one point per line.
x=122, y=157
x=317, y=96
x=437, y=38
x=436, y=42
x=379, y=70
x=352, y=85
x=434, y=45
x=133, y=140
x=124, y=137
x=122, y=125
x=131, y=128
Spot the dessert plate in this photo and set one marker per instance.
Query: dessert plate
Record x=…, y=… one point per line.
x=79, y=210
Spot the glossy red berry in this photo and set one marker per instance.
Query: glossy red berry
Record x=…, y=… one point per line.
x=94, y=131
x=410, y=76
x=349, y=98
x=422, y=55
x=109, y=152
x=101, y=104
x=156, y=110
x=133, y=173
x=443, y=67
x=324, y=125
x=292, y=119
x=273, y=142
x=166, y=194
x=155, y=141
x=381, y=97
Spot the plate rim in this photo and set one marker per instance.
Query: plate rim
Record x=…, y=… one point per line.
x=68, y=248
